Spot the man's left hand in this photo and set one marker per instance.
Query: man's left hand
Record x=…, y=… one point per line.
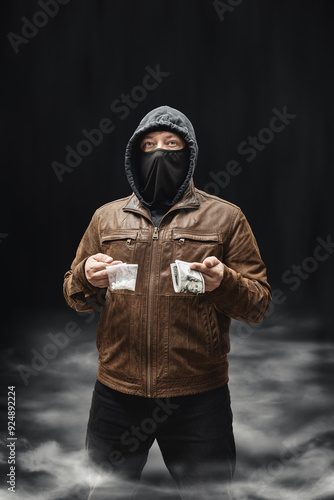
x=212, y=270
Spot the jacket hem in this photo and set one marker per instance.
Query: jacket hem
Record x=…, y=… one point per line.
x=212, y=380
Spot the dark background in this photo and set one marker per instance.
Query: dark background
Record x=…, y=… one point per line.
x=226, y=75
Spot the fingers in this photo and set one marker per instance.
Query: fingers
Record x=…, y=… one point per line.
x=207, y=267
x=212, y=270
x=100, y=265
x=99, y=274
x=197, y=266
x=95, y=269
x=102, y=257
x=102, y=272
x=115, y=263
x=211, y=261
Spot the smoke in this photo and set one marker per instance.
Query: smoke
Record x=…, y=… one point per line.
x=281, y=391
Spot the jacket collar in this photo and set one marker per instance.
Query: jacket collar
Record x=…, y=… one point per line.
x=190, y=199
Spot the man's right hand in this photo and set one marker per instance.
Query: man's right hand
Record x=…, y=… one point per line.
x=95, y=269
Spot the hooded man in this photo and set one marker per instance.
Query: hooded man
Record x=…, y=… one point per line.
x=163, y=368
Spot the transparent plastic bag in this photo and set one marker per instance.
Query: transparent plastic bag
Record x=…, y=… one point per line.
x=122, y=276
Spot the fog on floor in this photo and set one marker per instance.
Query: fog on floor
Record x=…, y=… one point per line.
x=281, y=380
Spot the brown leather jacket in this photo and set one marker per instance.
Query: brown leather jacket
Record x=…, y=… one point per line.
x=154, y=342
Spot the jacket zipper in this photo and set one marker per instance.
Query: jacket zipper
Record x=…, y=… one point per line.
x=150, y=299
x=155, y=237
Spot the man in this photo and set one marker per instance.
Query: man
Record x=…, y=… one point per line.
x=163, y=368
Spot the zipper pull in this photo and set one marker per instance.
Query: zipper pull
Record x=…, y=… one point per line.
x=156, y=233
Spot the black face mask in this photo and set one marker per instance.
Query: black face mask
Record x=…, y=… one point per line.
x=161, y=173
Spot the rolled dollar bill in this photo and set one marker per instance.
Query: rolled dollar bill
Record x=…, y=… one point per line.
x=186, y=280
x=122, y=276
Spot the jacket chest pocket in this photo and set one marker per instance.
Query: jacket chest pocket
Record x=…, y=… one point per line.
x=120, y=245
x=191, y=246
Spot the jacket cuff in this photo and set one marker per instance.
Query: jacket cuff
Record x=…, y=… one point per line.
x=79, y=276
x=227, y=288
x=239, y=300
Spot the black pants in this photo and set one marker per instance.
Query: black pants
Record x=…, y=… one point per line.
x=194, y=434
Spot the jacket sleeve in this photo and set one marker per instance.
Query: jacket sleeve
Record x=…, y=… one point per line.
x=244, y=292
x=78, y=292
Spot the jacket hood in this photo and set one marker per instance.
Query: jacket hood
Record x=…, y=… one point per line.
x=162, y=118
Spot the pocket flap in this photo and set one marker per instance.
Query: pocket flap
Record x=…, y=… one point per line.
x=118, y=234
x=179, y=234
